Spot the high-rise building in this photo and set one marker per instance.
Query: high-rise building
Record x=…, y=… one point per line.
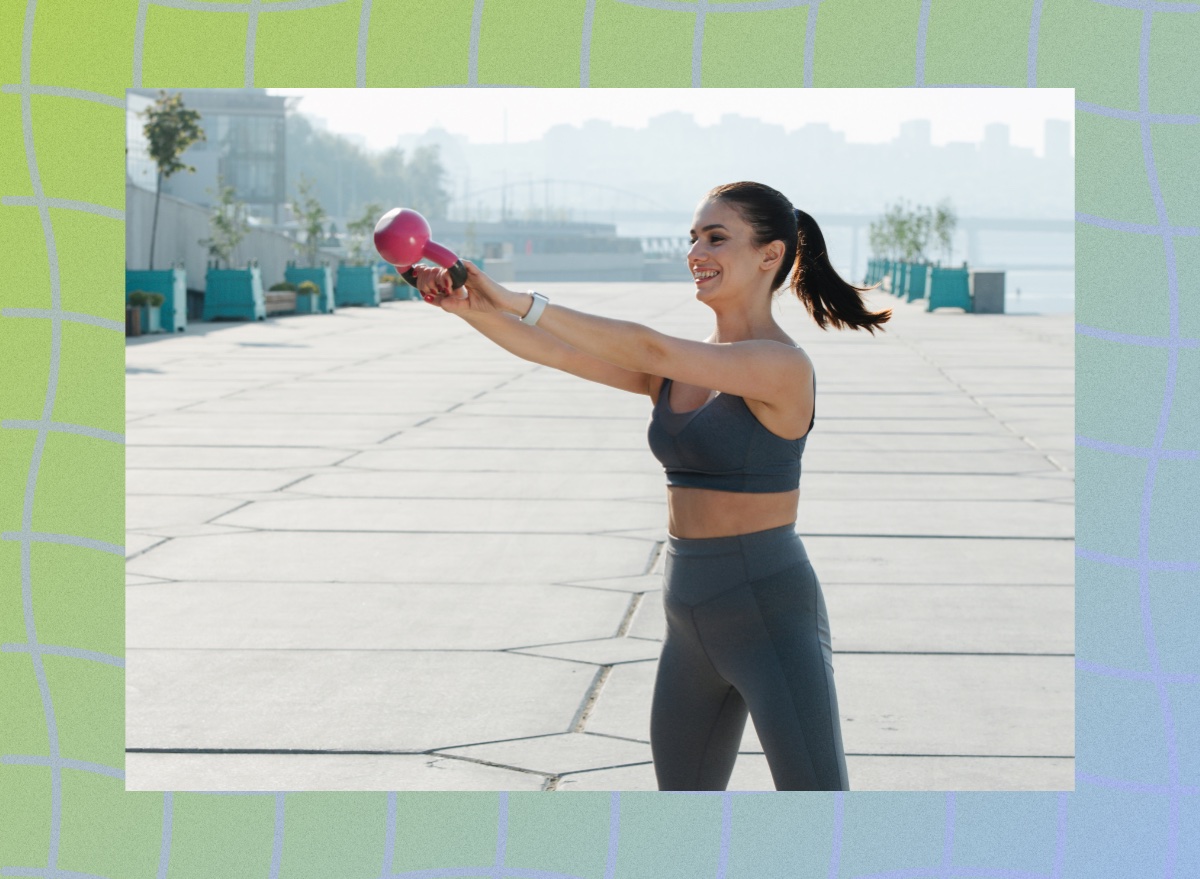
x=1058, y=139
x=245, y=146
x=915, y=132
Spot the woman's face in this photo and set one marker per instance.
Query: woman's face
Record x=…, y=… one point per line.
x=723, y=256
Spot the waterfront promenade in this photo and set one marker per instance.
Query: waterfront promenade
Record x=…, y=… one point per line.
x=372, y=550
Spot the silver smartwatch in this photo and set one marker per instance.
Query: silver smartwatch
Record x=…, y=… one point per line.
x=535, y=311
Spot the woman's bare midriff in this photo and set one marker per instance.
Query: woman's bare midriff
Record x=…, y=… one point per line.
x=703, y=512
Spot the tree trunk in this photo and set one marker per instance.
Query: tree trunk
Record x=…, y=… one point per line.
x=154, y=224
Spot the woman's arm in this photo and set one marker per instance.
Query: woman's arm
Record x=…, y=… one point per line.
x=538, y=346
x=759, y=369
x=527, y=342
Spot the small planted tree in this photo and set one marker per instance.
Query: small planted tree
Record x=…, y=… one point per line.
x=944, y=223
x=227, y=224
x=360, y=241
x=170, y=128
x=311, y=215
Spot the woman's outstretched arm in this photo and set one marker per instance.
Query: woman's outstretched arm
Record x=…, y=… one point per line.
x=532, y=343
x=760, y=369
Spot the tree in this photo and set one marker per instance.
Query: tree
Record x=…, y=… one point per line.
x=360, y=231
x=170, y=128
x=227, y=223
x=423, y=175
x=307, y=209
x=944, y=222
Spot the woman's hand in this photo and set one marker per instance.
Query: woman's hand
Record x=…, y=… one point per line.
x=479, y=295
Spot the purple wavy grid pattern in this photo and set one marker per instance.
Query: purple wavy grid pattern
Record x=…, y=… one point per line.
x=1143, y=564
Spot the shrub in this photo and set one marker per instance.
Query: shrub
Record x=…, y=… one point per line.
x=286, y=285
x=138, y=298
x=308, y=288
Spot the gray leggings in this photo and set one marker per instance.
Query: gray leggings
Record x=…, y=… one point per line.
x=746, y=630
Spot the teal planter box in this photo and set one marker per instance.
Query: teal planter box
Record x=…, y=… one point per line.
x=918, y=279
x=901, y=287
x=322, y=276
x=234, y=294
x=357, y=285
x=949, y=288
x=172, y=284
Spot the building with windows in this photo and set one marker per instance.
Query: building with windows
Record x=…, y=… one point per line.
x=245, y=146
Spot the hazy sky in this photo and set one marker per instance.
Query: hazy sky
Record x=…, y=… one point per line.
x=865, y=115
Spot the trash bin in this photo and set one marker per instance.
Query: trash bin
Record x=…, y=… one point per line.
x=987, y=291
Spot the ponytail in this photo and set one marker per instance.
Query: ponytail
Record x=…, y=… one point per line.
x=828, y=298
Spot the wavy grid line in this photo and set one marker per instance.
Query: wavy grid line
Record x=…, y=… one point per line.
x=1137, y=115
x=28, y=537
x=364, y=29
x=922, y=30
x=1035, y=27
x=63, y=427
x=80, y=765
x=1148, y=638
x=1136, y=564
x=41, y=201
x=1137, y=228
x=614, y=833
x=1149, y=6
x=1132, y=339
x=72, y=652
x=68, y=316
x=250, y=6
x=1134, y=451
x=55, y=761
x=164, y=849
x=59, y=91
x=251, y=40
x=1133, y=675
x=808, y=82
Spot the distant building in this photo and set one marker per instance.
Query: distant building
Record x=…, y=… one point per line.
x=246, y=145
x=1058, y=139
x=995, y=138
x=915, y=132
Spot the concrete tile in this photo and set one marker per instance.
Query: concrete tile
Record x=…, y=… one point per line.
x=868, y=488
x=829, y=459
x=350, y=557
x=649, y=620
x=366, y=616
x=144, y=435
x=639, y=583
x=558, y=754
x=553, y=485
x=960, y=773
x=345, y=699
x=607, y=651
x=435, y=514
x=577, y=436
x=1011, y=706
x=175, y=457
x=957, y=518
x=156, y=511
x=484, y=457
x=185, y=481
x=933, y=560
x=639, y=778
x=318, y=772
x=944, y=619
x=135, y=543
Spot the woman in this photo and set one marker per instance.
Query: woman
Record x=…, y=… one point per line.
x=746, y=623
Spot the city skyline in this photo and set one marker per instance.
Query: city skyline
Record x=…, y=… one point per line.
x=865, y=116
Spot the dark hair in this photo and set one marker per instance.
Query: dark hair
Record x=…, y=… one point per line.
x=828, y=298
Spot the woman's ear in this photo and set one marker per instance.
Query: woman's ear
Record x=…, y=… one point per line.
x=772, y=254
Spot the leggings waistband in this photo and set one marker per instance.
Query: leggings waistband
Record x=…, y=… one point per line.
x=754, y=542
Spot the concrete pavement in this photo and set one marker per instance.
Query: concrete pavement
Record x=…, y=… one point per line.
x=372, y=550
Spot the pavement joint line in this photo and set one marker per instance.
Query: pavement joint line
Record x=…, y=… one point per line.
x=655, y=553
x=579, y=722
x=635, y=601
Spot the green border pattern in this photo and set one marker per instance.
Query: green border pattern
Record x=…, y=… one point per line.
x=64, y=68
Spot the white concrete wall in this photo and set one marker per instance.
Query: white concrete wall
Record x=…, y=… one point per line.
x=181, y=225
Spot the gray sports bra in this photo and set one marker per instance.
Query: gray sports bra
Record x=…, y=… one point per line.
x=722, y=446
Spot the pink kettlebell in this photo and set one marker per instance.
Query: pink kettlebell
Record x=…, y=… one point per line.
x=402, y=238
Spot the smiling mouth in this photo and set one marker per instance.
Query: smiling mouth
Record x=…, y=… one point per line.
x=705, y=275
